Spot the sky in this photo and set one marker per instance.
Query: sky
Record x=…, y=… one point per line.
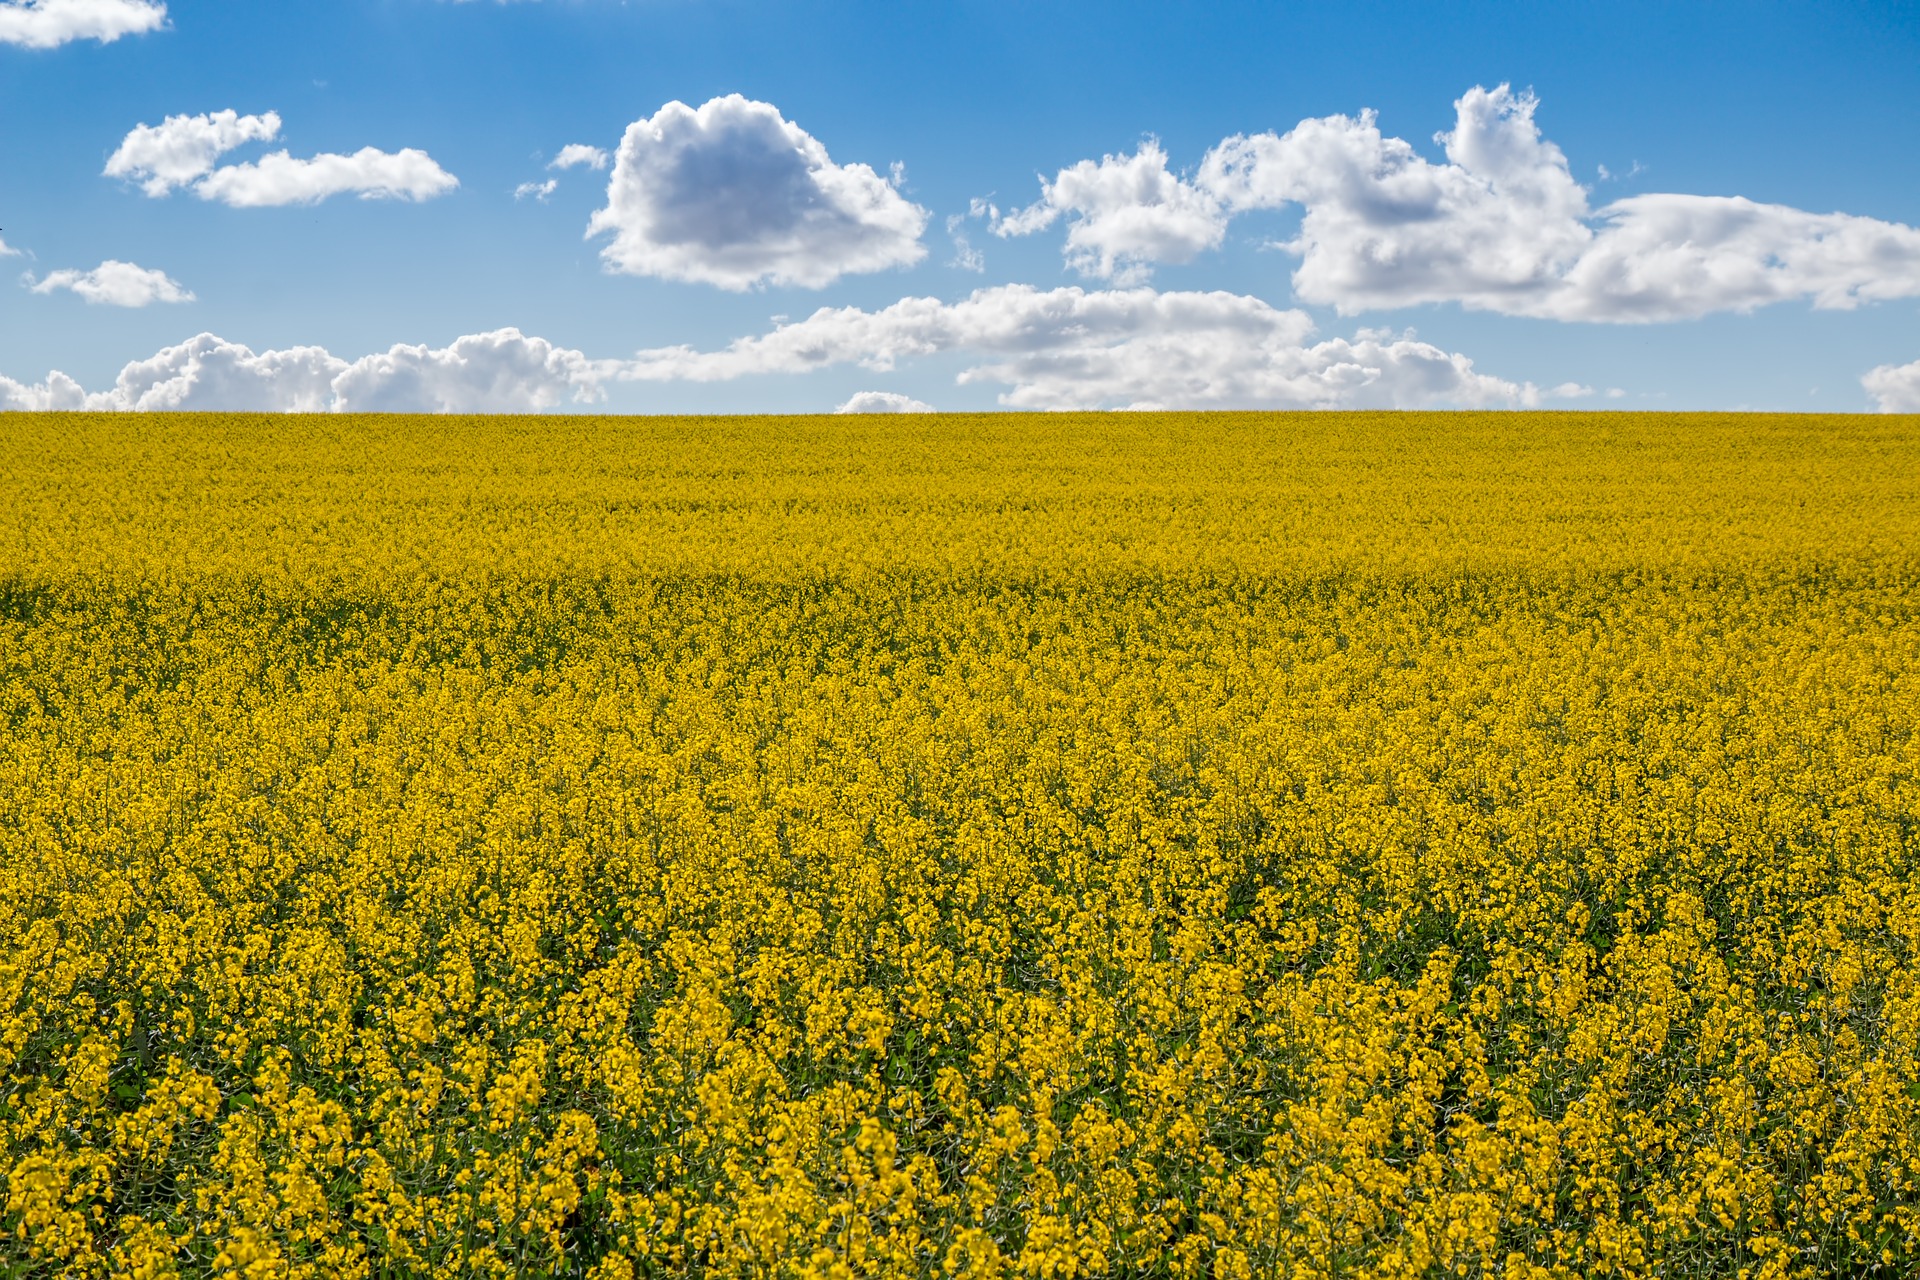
x=728, y=206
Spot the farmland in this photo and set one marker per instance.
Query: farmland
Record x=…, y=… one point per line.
x=1055, y=846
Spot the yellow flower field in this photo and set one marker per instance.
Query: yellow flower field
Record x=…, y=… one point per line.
x=1144, y=845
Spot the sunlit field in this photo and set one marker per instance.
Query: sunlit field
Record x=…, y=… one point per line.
x=1140, y=845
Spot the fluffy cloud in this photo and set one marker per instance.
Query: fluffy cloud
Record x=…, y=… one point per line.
x=1895, y=388
x=499, y=372
x=207, y=373
x=576, y=154
x=1124, y=213
x=1056, y=349
x=7, y=250
x=538, y=190
x=1500, y=225
x=734, y=195
x=883, y=402
x=372, y=174
x=1496, y=227
x=58, y=392
x=1134, y=348
x=45, y=24
x=1670, y=257
x=116, y=284
x=181, y=151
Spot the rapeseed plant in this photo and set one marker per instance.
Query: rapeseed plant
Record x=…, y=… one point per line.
x=1147, y=845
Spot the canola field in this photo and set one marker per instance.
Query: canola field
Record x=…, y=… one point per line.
x=1220, y=846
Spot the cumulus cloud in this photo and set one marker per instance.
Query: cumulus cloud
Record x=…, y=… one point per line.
x=116, y=284
x=1495, y=227
x=1135, y=348
x=575, y=154
x=181, y=149
x=371, y=174
x=1895, y=388
x=499, y=372
x=883, y=402
x=1124, y=214
x=1054, y=349
x=57, y=393
x=538, y=190
x=207, y=373
x=1499, y=225
x=181, y=152
x=46, y=24
x=7, y=250
x=1672, y=257
x=733, y=194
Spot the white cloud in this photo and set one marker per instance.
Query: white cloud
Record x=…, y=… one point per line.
x=1495, y=227
x=57, y=393
x=181, y=149
x=1895, y=388
x=575, y=154
x=7, y=250
x=734, y=195
x=181, y=152
x=1057, y=349
x=965, y=256
x=279, y=179
x=883, y=402
x=116, y=284
x=46, y=24
x=1670, y=257
x=207, y=373
x=1124, y=214
x=1499, y=225
x=1073, y=349
x=498, y=372
x=572, y=156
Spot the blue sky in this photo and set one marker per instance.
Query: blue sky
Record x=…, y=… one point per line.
x=1324, y=258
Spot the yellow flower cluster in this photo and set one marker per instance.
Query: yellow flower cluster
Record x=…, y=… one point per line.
x=1148, y=845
